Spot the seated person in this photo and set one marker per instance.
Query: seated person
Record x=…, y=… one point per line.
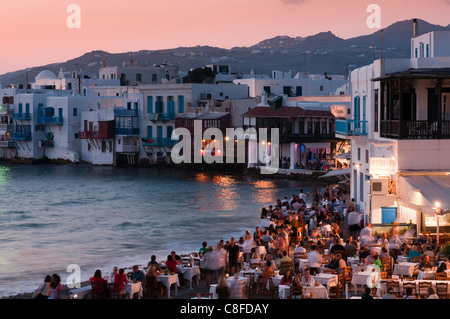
x=307, y=279
x=425, y=264
x=137, y=275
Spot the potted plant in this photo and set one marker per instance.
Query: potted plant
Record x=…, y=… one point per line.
x=446, y=250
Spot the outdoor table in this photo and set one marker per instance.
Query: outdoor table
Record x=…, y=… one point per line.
x=276, y=281
x=189, y=273
x=256, y=272
x=317, y=292
x=352, y=260
x=242, y=281
x=168, y=281
x=426, y=274
x=370, y=279
x=326, y=279
x=402, y=259
x=405, y=269
x=417, y=282
x=132, y=288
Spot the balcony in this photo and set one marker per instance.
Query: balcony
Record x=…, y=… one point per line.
x=21, y=136
x=58, y=120
x=411, y=130
x=120, y=112
x=161, y=116
x=21, y=116
x=351, y=127
x=162, y=142
x=126, y=131
x=95, y=135
x=6, y=144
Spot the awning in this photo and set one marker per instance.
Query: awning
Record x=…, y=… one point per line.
x=336, y=173
x=424, y=191
x=344, y=156
x=317, y=145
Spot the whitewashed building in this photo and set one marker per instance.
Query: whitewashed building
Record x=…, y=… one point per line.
x=400, y=136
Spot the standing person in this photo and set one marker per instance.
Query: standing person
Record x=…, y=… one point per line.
x=314, y=260
x=353, y=223
x=233, y=256
x=43, y=290
x=55, y=287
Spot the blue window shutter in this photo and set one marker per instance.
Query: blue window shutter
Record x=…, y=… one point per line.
x=149, y=104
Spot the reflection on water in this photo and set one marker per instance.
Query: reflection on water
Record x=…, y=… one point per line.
x=52, y=216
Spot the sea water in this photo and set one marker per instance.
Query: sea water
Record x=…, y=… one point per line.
x=54, y=216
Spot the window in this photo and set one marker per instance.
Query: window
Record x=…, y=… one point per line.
x=154, y=78
x=375, y=112
x=367, y=156
x=76, y=135
x=361, y=187
x=321, y=88
x=75, y=111
x=359, y=154
x=138, y=77
x=149, y=104
x=267, y=89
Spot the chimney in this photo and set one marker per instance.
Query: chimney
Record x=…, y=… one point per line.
x=415, y=28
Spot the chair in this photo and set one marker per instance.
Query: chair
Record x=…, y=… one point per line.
x=273, y=289
x=285, y=265
x=442, y=290
x=416, y=259
x=410, y=284
x=98, y=290
x=335, y=292
x=383, y=275
x=395, y=285
x=386, y=263
x=295, y=292
x=114, y=291
x=440, y=276
x=348, y=275
x=423, y=288
x=251, y=283
x=153, y=288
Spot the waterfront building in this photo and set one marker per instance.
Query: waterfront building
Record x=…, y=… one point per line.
x=306, y=129
x=7, y=146
x=400, y=136
x=283, y=83
x=130, y=73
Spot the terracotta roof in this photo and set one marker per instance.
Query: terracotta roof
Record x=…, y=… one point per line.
x=285, y=111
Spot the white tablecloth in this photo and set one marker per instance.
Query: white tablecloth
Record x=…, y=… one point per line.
x=168, y=281
x=426, y=275
x=370, y=279
x=402, y=259
x=317, y=292
x=133, y=288
x=405, y=269
x=242, y=281
x=189, y=273
x=326, y=279
x=352, y=260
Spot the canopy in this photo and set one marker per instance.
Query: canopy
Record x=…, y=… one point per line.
x=317, y=145
x=424, y=191
x=336, y=173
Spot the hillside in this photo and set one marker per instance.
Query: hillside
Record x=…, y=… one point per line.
x=323, y=52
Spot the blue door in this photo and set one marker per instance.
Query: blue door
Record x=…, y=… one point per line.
x=388, y=215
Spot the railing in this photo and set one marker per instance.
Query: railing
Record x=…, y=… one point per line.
x=351, y=127
x=126, y=131
x=21, y=116
x=415, y=129
x=6, y=127
x=8, y=143
x=21, y=136
x=161, y=116
x=298, y=138
x=58, y=120
x=120, y=112
x=129, y=149
x=148, y=141
x=94, y=135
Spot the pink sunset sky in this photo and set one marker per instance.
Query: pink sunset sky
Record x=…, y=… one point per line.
x=34, y=32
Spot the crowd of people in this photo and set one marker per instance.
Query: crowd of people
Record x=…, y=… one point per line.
x=327, y=231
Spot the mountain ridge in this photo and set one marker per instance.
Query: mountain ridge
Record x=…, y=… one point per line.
x=319, y=53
